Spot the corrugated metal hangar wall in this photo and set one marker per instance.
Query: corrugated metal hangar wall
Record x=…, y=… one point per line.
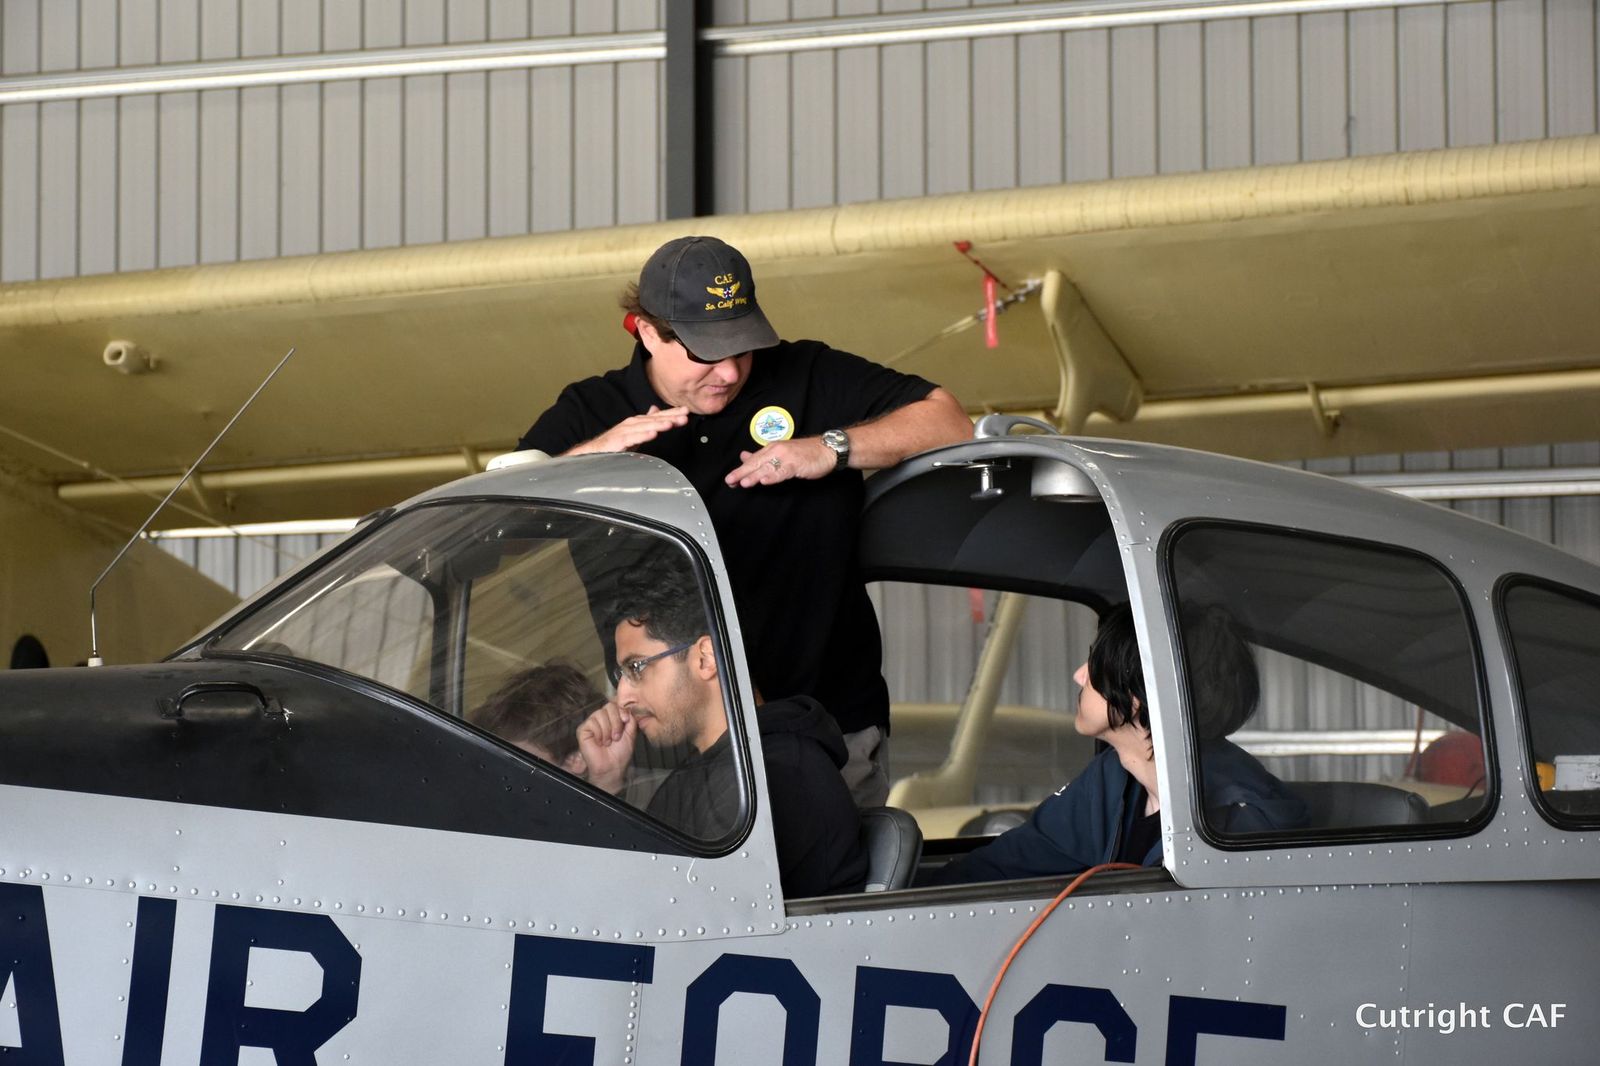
x=134, y=182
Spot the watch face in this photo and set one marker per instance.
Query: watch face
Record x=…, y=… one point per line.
x=840, y=443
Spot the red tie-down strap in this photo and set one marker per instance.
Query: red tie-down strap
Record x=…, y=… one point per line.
x=991, y=327
x=991, y=287
x=975, y=604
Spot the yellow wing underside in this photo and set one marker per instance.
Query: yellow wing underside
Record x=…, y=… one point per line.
x=1425, y=300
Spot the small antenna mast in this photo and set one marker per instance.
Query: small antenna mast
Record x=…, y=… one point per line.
x=94, y=632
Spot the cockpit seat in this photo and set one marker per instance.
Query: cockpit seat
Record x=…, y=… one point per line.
x=1349, y=804
x=894, y=844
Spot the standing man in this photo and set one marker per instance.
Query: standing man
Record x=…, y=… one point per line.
x=773, y=434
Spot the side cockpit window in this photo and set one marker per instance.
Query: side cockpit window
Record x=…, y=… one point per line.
x=1554, y=636
x=1332, y=686
x=581, y=641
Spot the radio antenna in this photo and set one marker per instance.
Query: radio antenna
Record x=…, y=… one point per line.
x=94, y=632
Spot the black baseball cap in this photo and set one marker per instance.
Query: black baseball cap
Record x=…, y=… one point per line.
x=703, y=289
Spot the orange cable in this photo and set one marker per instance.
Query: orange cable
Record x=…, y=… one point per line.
x=983, y=1015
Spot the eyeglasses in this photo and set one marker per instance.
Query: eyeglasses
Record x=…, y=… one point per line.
x=635, y=668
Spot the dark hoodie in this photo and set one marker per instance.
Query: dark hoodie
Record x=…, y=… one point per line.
x=817, y=826
x=814, y=820
x=1083, y=824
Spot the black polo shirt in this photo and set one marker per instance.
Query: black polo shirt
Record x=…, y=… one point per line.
x=791, y=548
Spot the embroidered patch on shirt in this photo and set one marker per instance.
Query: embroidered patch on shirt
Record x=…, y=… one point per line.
x=771, y=424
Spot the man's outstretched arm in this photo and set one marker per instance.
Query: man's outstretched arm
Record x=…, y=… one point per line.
x=938, y=418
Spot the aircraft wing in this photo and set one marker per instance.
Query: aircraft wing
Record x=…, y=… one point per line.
x=1422, y=300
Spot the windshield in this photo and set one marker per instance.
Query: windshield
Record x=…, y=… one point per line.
x=506, y=614
x=441, y=602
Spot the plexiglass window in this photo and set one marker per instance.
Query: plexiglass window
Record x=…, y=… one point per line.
x=1555, y=644
x=582, y=641
x=1346, y=673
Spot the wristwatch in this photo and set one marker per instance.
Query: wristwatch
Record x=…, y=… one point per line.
x=839, y=441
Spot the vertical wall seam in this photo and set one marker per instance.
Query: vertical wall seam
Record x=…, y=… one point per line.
x=238, y=172
x=156, y=100
x=322, y=168
x=789, y=123
x=403, y=87
x=1494, y=69
x=1349, y=79
x=879, y=104
x=1449, y=82
x=1155, y=92
x=361, y=153
x=1250, y=87
x=77, y=180
x=1016, y=108
x=488, y=150
x=527, y=144
x=618, y=149
x=116, y=196
x=445, y=85
x=833, y=127
x=277, y=186
x=1205, y=102
x=199, y=137
x=572, y=145
x=1300, y=87
x=927, y=113
x=1111, y=109
x=322, y=153
x=1544, y=65
x=38, y=175
x=199, y=175
x=744, y=139
x=1399, y=133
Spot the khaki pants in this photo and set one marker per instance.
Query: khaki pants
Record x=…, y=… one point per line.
x=866, y=772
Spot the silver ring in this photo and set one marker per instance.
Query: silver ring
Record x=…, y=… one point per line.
x=776, y=462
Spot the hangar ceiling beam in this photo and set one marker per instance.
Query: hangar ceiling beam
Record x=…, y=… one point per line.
x=999, y=20
x=334, y=66
x=1004, y=20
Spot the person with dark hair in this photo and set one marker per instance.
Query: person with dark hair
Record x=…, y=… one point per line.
x=1111, y=812
x=1224, y=686
x=773, y=435
x=539, y=710
x=669, y=689
x=660, y=593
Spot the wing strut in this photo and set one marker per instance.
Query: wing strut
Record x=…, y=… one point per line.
x=1094, y=374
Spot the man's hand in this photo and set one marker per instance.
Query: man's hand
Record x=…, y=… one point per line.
x=606, y=740
x=807, y=458
x=632, y=432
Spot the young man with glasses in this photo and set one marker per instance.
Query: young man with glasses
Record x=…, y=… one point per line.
x=669, y=689
x=773, y=434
